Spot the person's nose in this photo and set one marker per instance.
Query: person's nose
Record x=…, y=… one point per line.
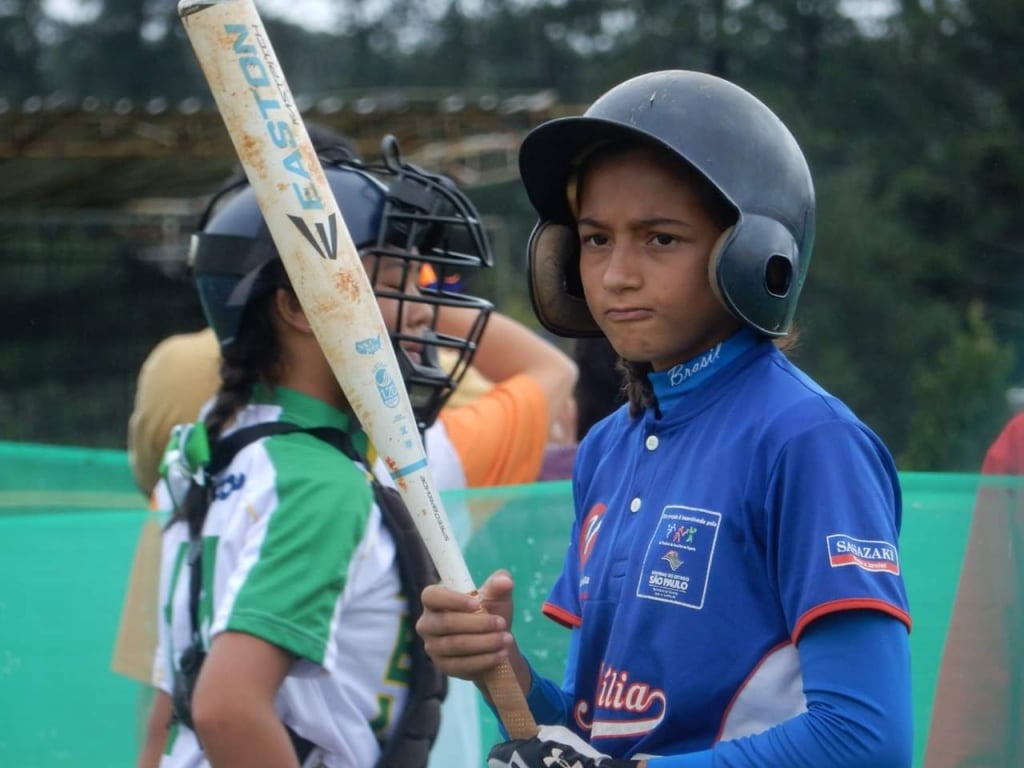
x=621, y=271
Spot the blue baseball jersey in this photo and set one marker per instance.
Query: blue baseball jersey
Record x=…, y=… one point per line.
x=706, y=540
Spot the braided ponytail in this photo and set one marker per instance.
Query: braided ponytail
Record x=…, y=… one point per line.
x=637, y=387
x=252, y=358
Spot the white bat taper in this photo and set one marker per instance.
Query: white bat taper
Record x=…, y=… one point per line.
x=327, y=275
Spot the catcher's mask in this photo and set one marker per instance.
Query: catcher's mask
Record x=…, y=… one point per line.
x=393, y=210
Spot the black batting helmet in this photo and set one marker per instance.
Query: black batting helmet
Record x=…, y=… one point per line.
x=729, y=137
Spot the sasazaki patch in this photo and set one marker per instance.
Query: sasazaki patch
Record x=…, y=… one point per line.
x=868, y=554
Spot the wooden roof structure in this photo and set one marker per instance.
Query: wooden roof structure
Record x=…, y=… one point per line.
x=88, y=154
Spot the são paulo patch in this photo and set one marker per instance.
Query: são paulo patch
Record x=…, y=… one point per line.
x=874, y=556
x=678, y=559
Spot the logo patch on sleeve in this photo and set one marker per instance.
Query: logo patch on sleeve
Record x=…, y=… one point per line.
x=870, y=555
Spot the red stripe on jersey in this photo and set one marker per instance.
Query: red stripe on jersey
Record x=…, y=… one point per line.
x=849, y=604
x=561, y=615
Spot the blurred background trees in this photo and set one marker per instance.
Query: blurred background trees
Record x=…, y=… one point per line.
x=910, y=112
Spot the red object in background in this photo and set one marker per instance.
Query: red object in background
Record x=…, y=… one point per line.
x=978, y=717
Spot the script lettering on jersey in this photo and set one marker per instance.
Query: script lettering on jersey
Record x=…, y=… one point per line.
x=622, y=707
x=870, y=555
x=680, y=373
x=267, y=89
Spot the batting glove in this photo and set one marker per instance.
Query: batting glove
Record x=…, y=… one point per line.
x=552, y=747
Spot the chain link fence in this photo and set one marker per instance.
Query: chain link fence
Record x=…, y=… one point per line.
x=85, y=296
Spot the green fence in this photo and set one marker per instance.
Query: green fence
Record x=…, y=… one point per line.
x=70, y=520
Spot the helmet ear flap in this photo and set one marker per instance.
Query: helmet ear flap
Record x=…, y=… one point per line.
x=553, y=264
x=755, y=265
x=716, y=254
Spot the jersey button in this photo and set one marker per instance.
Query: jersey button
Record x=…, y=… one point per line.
x=634, y=505
x=651, y=442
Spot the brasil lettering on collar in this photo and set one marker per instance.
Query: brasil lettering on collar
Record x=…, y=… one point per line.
x=687, y=376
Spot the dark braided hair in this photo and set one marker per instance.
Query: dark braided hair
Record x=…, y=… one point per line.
x=638, y=388
x=252, y=358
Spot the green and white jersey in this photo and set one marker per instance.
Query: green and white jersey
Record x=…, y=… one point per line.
x=295, y=553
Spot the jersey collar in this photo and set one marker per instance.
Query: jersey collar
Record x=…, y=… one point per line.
x=308, y=411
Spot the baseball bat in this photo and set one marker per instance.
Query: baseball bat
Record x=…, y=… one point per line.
x=273, y=146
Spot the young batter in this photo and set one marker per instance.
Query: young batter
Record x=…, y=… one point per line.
x=732, y=579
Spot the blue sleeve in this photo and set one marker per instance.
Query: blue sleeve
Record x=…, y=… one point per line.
x=856, y=675
x=571, y=660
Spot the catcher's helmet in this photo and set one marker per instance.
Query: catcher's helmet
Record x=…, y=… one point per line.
x=392, y=210
x=726, y=135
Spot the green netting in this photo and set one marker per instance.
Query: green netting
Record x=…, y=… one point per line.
x=40, y=478
x=63, y=578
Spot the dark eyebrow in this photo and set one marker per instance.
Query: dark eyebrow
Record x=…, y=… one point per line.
x=641, y=224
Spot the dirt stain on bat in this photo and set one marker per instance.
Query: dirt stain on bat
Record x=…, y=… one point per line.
x=306, y=280
x=251, y=154
x=325, y=306
x=348, y=285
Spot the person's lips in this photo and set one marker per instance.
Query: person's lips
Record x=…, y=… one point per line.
x=627, y=314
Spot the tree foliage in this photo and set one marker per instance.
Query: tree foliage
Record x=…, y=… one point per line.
x=911, y=123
